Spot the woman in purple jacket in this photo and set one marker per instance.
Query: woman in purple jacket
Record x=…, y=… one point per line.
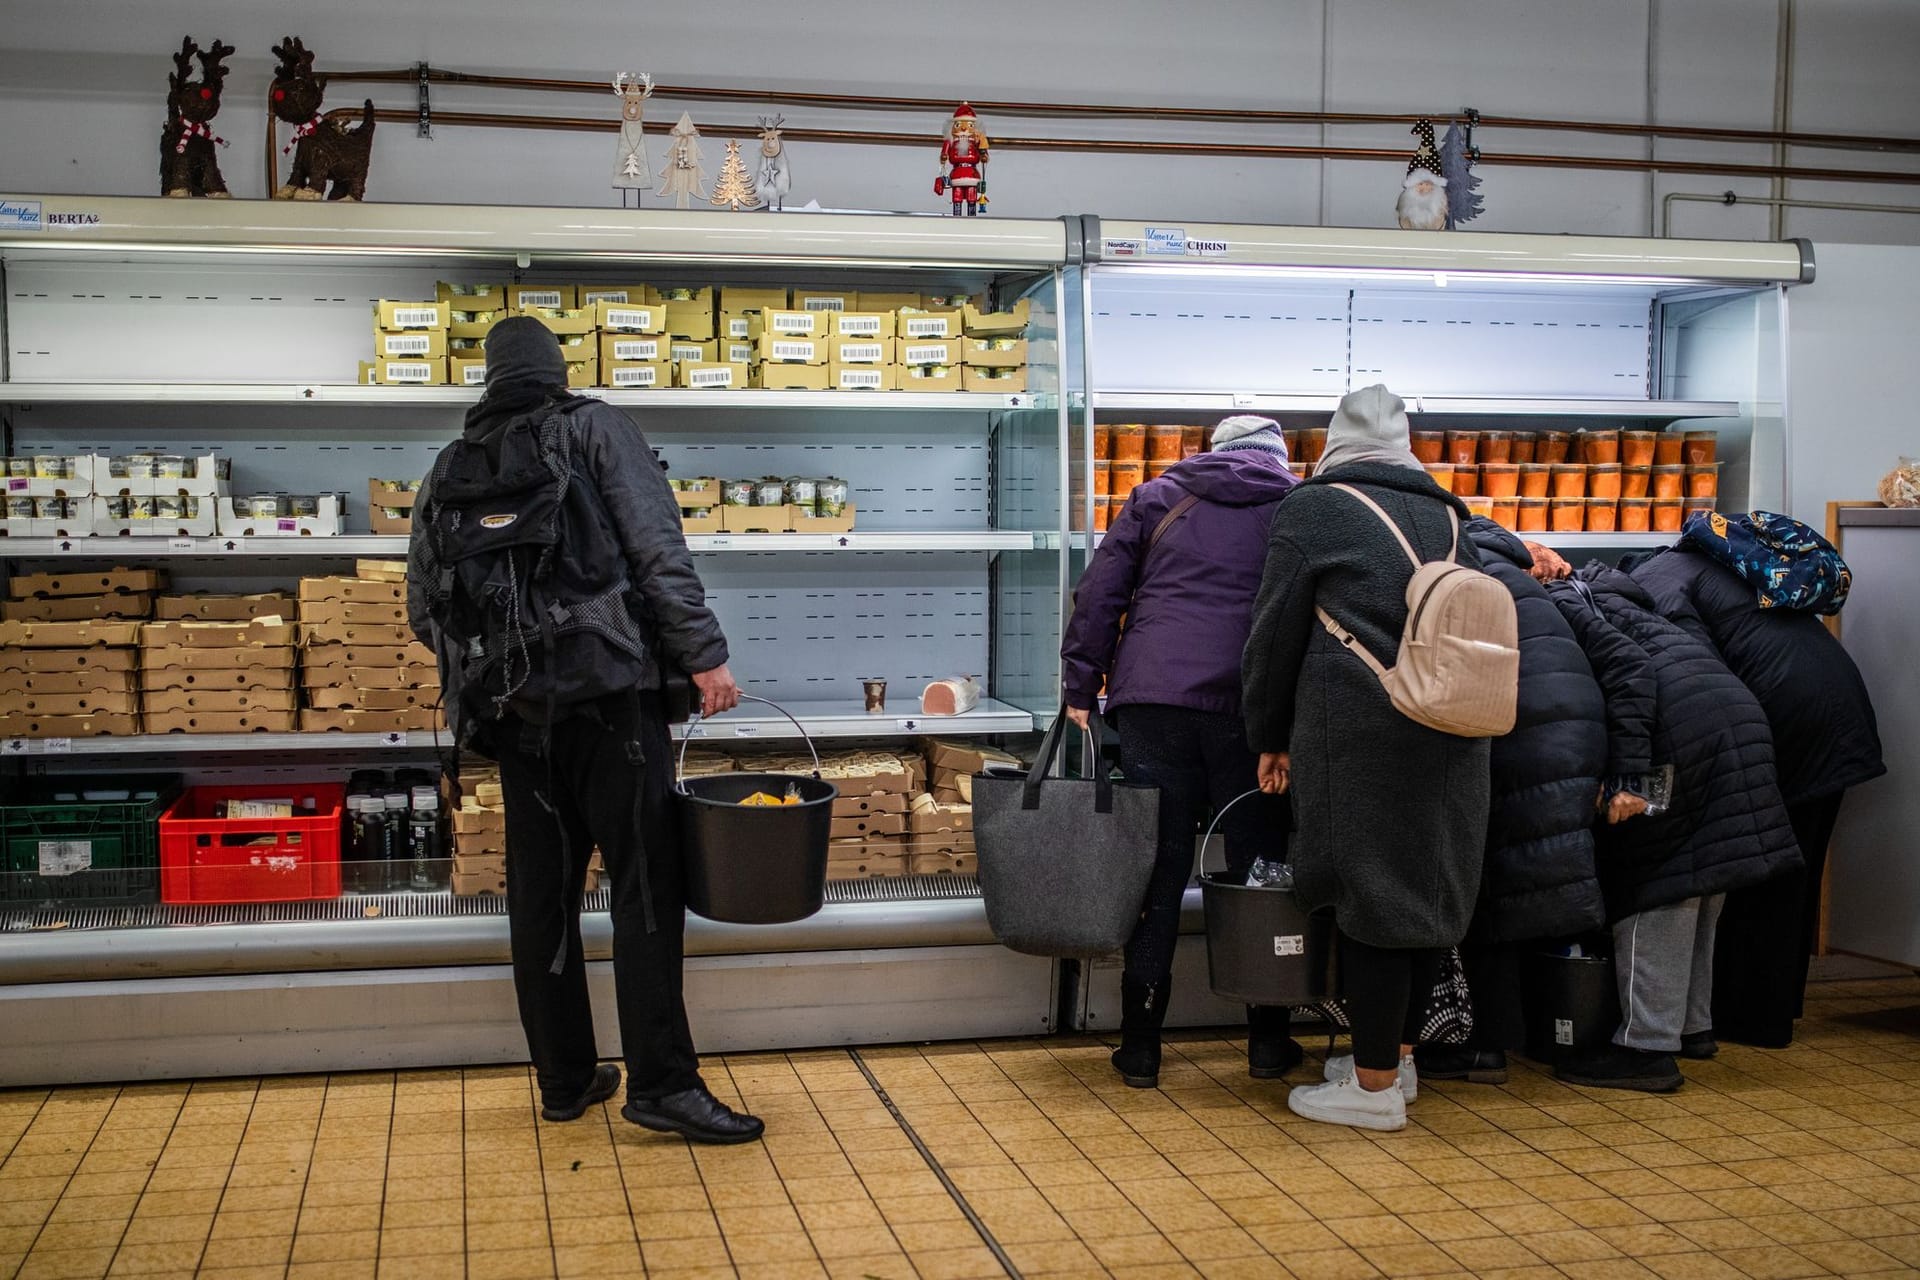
x=1162, y=615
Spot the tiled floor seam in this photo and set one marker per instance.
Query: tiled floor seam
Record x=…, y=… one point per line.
x=160, y=1153
x=939, y=1171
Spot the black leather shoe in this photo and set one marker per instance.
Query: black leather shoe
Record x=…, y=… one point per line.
x=1615, y=1067
x=1460, y=1062
x=1138, y=1064
x=1271, y=1053
x=1699, y=1046
x=694, y=1114
x=606, y=1083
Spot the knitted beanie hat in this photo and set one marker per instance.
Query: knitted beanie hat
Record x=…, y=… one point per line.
x=1246, y=431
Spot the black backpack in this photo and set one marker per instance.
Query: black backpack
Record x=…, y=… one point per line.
x=535, y=611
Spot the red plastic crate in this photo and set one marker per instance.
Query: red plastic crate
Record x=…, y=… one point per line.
x=228, y=860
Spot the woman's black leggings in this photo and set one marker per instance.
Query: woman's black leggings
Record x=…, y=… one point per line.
x=1386, y=991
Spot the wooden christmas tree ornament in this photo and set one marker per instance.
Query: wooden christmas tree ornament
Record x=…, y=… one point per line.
x=733, y=189
x=684, y=173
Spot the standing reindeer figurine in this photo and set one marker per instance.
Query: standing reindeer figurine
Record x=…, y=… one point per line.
x=775, y=176
x=188, y=164
x=323, y=150
x=631, y=169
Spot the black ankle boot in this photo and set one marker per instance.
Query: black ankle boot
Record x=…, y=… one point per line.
x=1143, y=1008
x=1271, y=1052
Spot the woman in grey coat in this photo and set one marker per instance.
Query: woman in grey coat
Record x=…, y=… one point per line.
x=1391, y=816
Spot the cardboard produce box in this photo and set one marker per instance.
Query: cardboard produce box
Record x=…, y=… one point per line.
x=988, y=324
x=242, y=676
x=928, y=817
x=693, y=320
x=943, y=864
x=355, y=698
x=634, y=348
x=467, y=373
x=735, y=350
x=351, y=590
x=561, y=321
x=712, y=377
x=345, y=656
x=409, y=720
x=679, y=349
x=756, y=519
x=384, y=496
x=555, y=297
x=740, y=299
x=253, y=659
x=409, y=344
x=46, y=662
x=330, y=522
x=200, y=520
x=994, y=381
x=735, y=326
x=477, y=884
x=843, y=350
x=791, y=377
x=889, y=300
x=805, y=521
x=101, y=725
x=816, y=299
x=354, y=633
x=993, y=353
x=869, y=325
x=25, y=586
x=787, y=323
x=380, y=570
x=775, y=348
x=20, y=702
x=863, y=377
x=928, y=324
x=593, y=294
x=254, y=634
x=381, y=613
x=860, y=806
x=78, y=608
x=637, y=375
x=410, y=373
x=223, y=722
x=69, y=635
x=56, y=682
x=169, y=701
x=471, y=326
x=930, y=377
x=371, y=678
x=471, y=297
x=869, y=825
x=226, y=608
x=628, y=317
x=915, y=352
x=582, y=377
x=393, y=316
x=954, y=755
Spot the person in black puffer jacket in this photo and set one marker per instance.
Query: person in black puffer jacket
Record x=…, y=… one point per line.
x=1585, y=712
x=1825, y=740
x=1666, y=876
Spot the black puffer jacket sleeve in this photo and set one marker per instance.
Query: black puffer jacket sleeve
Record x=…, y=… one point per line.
x=1626, y=679
x=611, y=452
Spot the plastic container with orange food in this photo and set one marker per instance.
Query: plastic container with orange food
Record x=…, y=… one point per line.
x=1703, y=480
x=1552, y=446
x=1463, y=447
x=1102, y=478
x=1568, y=515
x=1102, y=512
x=1500, y=479
x=1669, y=481
x=1533, y=515
x=1603, y=515
x=1193, y=440
x=1698, y=446
x=1157, y=468
x=1496, y=446
x=1313, y=443
x=1692, y=507
x=1636, y=447
x=1600, y=446
x=1129, y=442
x=1429, y=446
x=1603, y=481
x=1466, y=480
x=1163, y=443
x=1569, y=480
x=1636, y=515
x=1506, y=512
x=1127, y=476
x=1636, y=482
x=1536, y=479
x=1667, y=447
x=1442, y=474
x=1666, y=515
x=1103, y=440
x=1524, y=443
x=1479, y=505
x=1292, y=438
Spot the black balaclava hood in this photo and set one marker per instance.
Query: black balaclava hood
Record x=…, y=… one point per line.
x=523, y=352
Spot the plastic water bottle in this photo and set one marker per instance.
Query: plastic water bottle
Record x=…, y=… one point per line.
x=423, y=840
x=393, y=842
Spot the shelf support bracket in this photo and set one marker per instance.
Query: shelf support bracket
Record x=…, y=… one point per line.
x=425, y=82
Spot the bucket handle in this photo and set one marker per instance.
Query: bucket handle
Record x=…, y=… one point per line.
x=1221, y=813
x=679, y=772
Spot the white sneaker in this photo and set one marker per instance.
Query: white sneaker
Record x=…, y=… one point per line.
x=1345, y=1102
x=1341, y=1068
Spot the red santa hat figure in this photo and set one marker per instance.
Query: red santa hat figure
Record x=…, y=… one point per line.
x=963, y=157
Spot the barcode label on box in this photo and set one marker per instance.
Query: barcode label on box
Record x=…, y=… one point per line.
x=473, y=374
x=533, y=298
x=863, y=352
x=801, y=351
x=862, y=380
x=935, y=353
x=926, y=326
x=65, y=857
x=409, y=344
x=636, y=349
x=590, y=296
x=397, y=372
x=824, y=304
x=417, y=317
x=739, y=326
x=689, y=351
x=646, y=377
x=637, y=319
x=740, y=352
x=800, y=322
x=859, y=326
x=710, y=377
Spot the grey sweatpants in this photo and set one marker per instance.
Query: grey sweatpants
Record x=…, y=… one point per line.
x=1663, y=962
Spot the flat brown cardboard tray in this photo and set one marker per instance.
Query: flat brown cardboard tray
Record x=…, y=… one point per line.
x=156, y=679
x=353, y=613
x=186, y=701
x=349, y=697
x=263, y=658
x=479, y=884
x=374, y=571
x=414, y=719
x=95, y=726
x=222, y=608
x=408, y=677
x=136, y=604
x=88, y=681
x=477, y=822
x=218, y=635
x=867, y=868
x=69, y=635
x=223, y=722
x=357, y=590
x=20, y=702
x=356, y=634
x=963, y=757
x=868, y=826
x=848, y=806
x=45, y=661
x=943, y=864
x=347, y=656
x=24, y=586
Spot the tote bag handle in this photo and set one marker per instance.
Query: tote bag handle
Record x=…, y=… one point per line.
x=1049, y=748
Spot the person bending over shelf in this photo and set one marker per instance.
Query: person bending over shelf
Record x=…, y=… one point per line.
x=549, y=573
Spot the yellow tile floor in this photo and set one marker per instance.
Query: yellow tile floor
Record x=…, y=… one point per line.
x=1769, y=1165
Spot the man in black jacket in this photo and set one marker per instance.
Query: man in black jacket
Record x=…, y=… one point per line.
x=598, y=772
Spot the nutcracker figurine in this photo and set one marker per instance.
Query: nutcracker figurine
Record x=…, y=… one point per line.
x=964, y=155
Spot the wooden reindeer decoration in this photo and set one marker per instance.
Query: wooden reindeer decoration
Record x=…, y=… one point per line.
x=632, y=171
x=188, y=163
x=774, y=179
x=323, y=150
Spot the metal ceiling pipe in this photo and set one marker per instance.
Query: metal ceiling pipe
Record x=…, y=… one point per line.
x=1732, y=198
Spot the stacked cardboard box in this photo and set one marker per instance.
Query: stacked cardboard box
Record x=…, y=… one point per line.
x=409, y=344
x=940, y=838
x=557, y=306
x=123, y=594
x=49, y=495
x=993, y=348
x=68, y=679
x=479, y=832
x=953, y=765
x=362, y=669
x=219, y=677
x=472, y=310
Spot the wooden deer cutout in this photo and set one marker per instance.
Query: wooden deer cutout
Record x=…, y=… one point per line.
x=632, y=171
x=774, y=179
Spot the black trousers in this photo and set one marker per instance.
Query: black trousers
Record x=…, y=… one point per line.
x=1766, y=938
x=1387, y=991
x=1493, y=980
x=604, y=782
x=1200, y=761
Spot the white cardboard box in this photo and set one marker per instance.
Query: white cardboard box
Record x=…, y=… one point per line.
x=331, y=522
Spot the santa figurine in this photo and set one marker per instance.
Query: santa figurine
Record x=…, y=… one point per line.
x=1422, y=205
x=964, y=157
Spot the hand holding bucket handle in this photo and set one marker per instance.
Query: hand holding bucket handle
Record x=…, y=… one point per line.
x=679, y=773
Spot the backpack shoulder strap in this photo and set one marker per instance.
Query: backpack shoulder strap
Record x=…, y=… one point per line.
x=1172, y=517
x=1453, y=527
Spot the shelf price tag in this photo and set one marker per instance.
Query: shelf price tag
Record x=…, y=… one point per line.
x=57, y=746
x=1242, y=400
x=180, y=544
x=719, y=542
x=747, y=730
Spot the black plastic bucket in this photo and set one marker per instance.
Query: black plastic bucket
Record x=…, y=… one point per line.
x=755, y=864
x=1262, y=948
x=1572, y=1005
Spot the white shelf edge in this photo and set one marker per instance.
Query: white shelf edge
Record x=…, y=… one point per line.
x=429, y=397
x=352, y=545
x=833, y=720
x=1228, y=402
x=1625, y=541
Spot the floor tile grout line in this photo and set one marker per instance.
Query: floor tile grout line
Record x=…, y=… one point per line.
x=380, y=1231
x=465, y=1200
x=706, y=1190
x=39, y=1231
x=12, y=1146
x=780, y=1177
x=620, y=1167
x=939, y=1171
x=121, y=1243
x=844, y=1155
x=245, y=1125
x=306, y=1178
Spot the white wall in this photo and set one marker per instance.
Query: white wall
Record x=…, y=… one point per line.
x=82, y=86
